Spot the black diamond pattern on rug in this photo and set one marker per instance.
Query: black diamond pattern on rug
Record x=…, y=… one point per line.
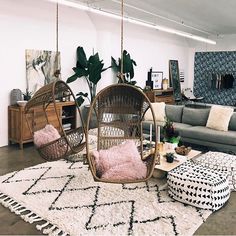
x=72, y=201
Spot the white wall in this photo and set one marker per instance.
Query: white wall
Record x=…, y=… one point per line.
x=28, y=24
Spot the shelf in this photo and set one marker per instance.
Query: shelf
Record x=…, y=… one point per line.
x=19, y=130
x=67, y=117
x=161, y=96
x=67, y=129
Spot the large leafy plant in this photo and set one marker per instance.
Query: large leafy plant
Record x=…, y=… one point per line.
x=128, y=68
x=89, y=69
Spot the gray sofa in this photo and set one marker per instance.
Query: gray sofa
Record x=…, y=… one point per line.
x=191, y=125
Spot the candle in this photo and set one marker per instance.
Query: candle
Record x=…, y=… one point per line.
x=150, y=134
x=158, y=134
x=165, y=84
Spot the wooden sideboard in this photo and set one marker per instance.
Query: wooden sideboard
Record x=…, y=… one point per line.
x=158, y=95
x=18, y=129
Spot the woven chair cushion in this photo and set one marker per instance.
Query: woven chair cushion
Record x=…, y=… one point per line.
x=120, y=162
x=46, y=135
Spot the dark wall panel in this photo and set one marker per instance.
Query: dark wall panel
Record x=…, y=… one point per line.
x=208, y=63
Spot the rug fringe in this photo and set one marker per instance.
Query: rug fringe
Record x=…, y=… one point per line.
x=30, y=216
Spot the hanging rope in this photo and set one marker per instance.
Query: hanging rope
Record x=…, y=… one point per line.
x=57, y=28
x=57, y=71
x=122, y=42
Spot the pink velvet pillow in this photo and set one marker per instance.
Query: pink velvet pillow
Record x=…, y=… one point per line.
x=120, y=162
x=135, y=169
x=45, y=135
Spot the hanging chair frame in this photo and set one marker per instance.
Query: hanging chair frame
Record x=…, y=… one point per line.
x=151, y=160
x=70, y=142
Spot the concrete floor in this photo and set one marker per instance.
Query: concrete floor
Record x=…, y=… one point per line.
x=222, y=222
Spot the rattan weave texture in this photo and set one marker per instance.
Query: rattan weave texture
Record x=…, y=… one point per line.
x=71, y=142
x=119, y=111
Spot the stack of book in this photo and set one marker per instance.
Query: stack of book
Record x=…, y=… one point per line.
x=66, y=126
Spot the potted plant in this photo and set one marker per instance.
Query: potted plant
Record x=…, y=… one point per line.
x=169, y=157
x=88, y=69
x=27, y=95
x=128, y=68
x=171, y=136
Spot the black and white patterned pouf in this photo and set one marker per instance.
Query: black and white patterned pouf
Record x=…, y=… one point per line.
x=198, y=186
x=220, y=161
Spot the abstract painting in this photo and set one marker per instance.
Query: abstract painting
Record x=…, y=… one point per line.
x=42, y=67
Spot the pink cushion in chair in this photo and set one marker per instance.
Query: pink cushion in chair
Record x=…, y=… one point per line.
x=120, y=162
x=46, y=135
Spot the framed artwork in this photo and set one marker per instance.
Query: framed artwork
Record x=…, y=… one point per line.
x=42, y=67
x=157, y=77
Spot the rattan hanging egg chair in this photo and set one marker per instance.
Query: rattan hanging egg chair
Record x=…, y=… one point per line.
x=46, y=101
x=119, y=111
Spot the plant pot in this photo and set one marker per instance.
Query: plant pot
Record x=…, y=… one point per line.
x=169, y=159
x=27, y=97
x=170, y=146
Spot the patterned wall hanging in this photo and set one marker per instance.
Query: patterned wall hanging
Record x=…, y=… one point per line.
x=207, y=66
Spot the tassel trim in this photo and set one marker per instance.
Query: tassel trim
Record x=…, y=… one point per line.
x=27, y=215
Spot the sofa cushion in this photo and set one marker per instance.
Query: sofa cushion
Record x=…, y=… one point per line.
x=210, y=135
x=174, y=112
x=178, y=126
x=159, y=111
x=181, y=126
x=195, y=116
x=232, y=122
x=219, y=117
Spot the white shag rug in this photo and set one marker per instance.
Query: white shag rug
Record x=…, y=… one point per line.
x=63, y=199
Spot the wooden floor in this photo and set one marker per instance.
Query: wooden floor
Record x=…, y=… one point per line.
x=222, y=222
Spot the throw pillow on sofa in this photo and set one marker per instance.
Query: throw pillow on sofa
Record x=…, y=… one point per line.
x=159, y=111
x=174, y=112
x=195, y=116
x=232, y=122
x=219, y=117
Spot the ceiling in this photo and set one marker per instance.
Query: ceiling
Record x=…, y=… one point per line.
x=201, y=17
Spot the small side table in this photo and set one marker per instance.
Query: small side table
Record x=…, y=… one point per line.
x=161, y=170
x=165, y=166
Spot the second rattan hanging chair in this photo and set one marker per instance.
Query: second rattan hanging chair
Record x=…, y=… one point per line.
x=119, y=110
x=70, y=142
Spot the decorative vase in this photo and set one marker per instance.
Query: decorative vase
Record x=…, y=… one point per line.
x=16, y=95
